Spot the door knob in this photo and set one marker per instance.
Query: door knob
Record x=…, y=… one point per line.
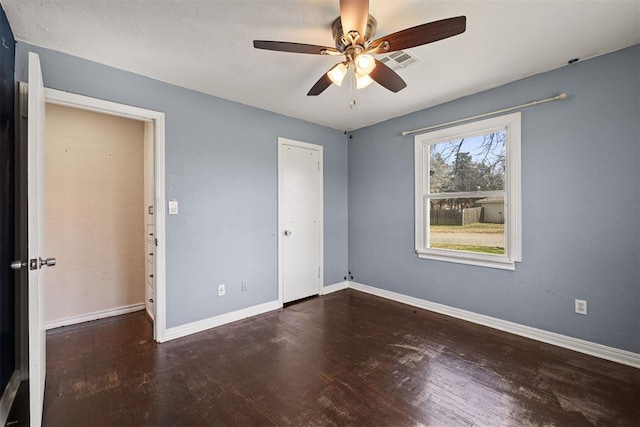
x=17, y=265
x=287, y=232
x=47, y=262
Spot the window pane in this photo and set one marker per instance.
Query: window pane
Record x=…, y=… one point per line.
x=470, y=225
x=470, y=164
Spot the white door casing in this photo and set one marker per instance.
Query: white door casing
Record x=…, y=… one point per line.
x=35, y=199
x=300, y=219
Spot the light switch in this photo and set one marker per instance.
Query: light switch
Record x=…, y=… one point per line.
x=173, y=207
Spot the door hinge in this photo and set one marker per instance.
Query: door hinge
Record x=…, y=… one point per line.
x=318, y=272
x=155, y=241
x=318, y=165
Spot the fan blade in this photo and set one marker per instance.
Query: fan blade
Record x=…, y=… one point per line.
x=386, y=77
x=354, y=15
x=293, y=47
x=320, y=85
x=423, y=34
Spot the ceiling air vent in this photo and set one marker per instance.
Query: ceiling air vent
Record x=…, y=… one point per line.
x=399, y=59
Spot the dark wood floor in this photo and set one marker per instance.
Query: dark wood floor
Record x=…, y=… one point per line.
x=343, y=359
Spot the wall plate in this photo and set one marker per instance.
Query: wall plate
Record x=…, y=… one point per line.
x=173, y=207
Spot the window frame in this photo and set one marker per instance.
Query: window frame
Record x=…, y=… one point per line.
x=511, y=123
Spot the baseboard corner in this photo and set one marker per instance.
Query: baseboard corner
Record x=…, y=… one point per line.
x=334, y=287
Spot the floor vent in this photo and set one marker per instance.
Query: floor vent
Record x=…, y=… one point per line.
x=399, y=59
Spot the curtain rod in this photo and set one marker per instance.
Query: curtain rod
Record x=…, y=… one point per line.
x=504, y=110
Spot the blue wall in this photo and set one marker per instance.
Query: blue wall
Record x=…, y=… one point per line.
x=7, y=204
x=221, y=165
x=580, y=200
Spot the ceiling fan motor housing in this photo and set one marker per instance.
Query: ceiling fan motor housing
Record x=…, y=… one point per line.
x=342, y=43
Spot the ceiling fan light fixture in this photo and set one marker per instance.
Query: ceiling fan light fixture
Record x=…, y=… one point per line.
x=337, y=73
x=365, y=64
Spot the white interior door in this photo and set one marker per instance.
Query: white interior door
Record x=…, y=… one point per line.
x=35, y=171
x=300, y=219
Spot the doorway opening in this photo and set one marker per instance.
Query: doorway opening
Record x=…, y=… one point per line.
x=96, y=216
x=152, y=214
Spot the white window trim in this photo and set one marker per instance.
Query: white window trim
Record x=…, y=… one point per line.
x=513, y=220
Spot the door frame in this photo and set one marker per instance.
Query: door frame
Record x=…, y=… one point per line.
x=68, y=99
x=282, y=142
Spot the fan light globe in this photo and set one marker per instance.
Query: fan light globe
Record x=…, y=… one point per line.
x=365, y=64
x=363, y=81
x=337, y=73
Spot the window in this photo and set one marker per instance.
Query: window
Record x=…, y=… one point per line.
x=468, y=193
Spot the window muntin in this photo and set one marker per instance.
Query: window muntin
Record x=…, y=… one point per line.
x=467, y=193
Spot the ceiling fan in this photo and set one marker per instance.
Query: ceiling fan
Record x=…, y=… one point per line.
x=353, y=33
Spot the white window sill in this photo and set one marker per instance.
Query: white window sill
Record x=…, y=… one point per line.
x=480, y=260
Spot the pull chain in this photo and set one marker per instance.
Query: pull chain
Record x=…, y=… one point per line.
x=352, y=86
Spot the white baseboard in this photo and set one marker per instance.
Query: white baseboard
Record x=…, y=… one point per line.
x=334, y=288
x=587, y=347
x=212, y=322
x=223, y=319
x=8, y=396
x=94, y=316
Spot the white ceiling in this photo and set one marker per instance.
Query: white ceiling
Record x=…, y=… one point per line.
x=207, y=46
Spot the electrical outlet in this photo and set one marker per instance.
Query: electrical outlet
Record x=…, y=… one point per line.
x=221, y=290
x=581, y=306
x=243, y=286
